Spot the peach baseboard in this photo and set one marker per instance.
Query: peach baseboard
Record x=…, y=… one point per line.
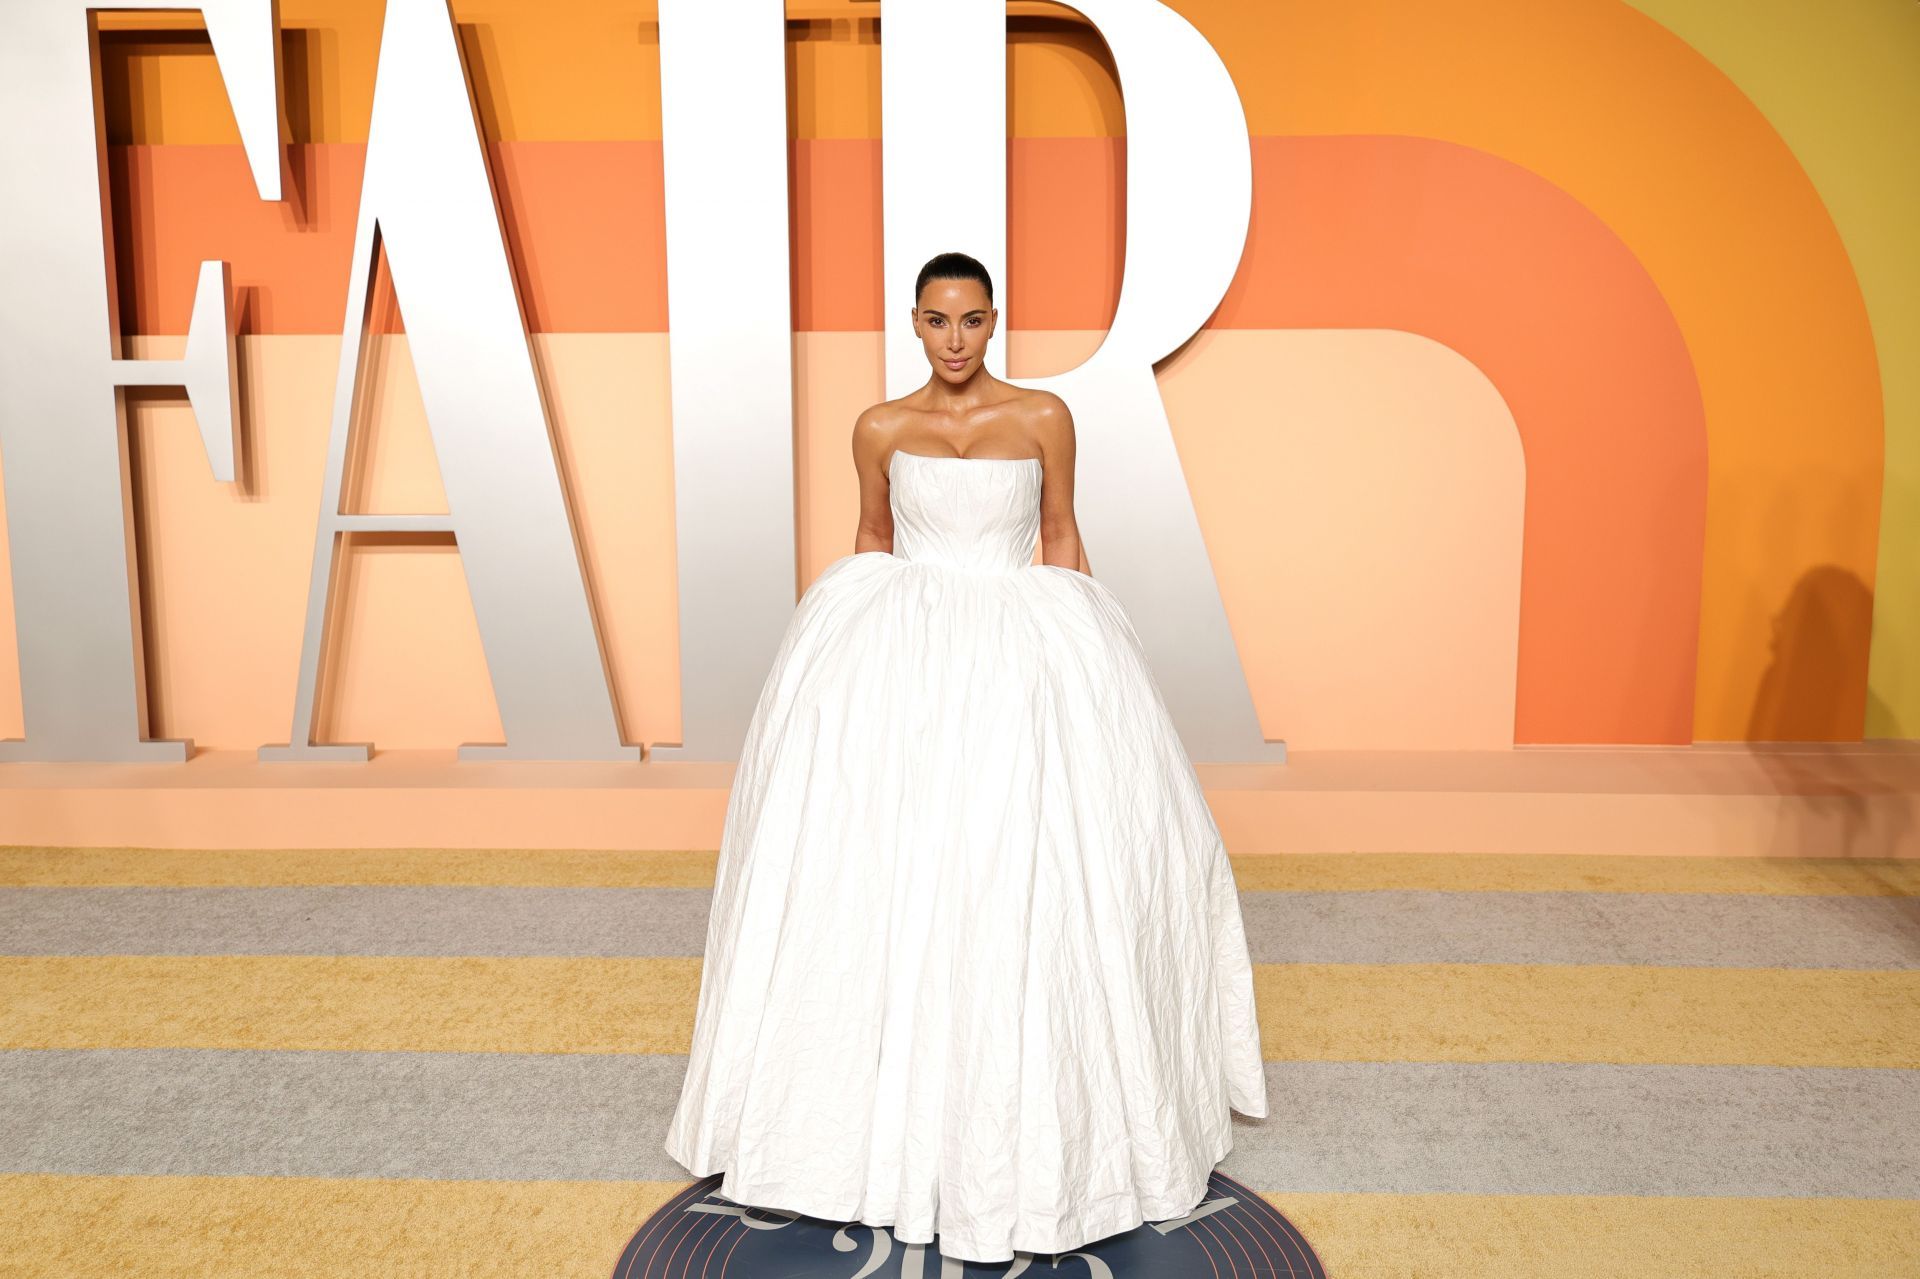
x=1855, y=800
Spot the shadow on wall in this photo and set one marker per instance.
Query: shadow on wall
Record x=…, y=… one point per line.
x=1815, y=679
x=1835, y=802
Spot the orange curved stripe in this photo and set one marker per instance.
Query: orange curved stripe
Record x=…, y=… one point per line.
x=1399, y=234
x=585, y=228
x=1619, y=113
x=1605, y=104
x=1517, y=277
x=584, y=225
x=1595, y=97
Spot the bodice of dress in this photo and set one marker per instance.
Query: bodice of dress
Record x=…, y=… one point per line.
x=977, y=514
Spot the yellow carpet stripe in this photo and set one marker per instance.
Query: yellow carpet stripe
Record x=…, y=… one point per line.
x=570, y=868
x=1309, y=1012
x=1579, y=872
x=325, y=1228
x=1363, y=1236
x=273, y=868
x=1588, y=1013
x=319, y=1227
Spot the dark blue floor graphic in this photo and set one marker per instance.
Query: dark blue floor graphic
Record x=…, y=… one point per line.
x=1232, y=1234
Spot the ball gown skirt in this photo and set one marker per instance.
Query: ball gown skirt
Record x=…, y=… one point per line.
x=975, y=966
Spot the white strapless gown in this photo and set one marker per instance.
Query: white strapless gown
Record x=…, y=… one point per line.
x=975, y=966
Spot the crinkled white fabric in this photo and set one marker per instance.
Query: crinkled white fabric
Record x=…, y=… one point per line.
x=975, y=965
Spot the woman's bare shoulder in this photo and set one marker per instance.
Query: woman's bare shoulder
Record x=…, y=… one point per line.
x=884, y=415
x=1042, y=406
x=880, y=423
x=1045, y=419
x=876, y=429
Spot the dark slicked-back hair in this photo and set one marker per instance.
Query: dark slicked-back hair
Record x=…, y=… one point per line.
x=952, y=266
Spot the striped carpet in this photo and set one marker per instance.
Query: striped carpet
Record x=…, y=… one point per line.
x=454, y=1063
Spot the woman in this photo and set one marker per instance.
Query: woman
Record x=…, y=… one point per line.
x=975, y=966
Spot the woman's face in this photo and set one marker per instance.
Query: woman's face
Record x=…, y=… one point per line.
x=954, y=321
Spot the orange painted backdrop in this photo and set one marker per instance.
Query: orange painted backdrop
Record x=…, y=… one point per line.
x=1544, y=406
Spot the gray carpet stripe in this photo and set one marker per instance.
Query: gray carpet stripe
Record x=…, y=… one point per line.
x=1381, y=927
x=1400, y=1127
x=355, y=920
x=1715, y=930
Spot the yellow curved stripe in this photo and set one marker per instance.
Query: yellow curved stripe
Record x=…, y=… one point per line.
x=1838, y=82
x=1308, y=1012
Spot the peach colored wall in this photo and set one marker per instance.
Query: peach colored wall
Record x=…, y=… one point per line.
x=1672, y=265
x=1382, y=446
x=1363, y=494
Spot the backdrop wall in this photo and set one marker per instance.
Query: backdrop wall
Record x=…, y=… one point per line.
x=1555, y=399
